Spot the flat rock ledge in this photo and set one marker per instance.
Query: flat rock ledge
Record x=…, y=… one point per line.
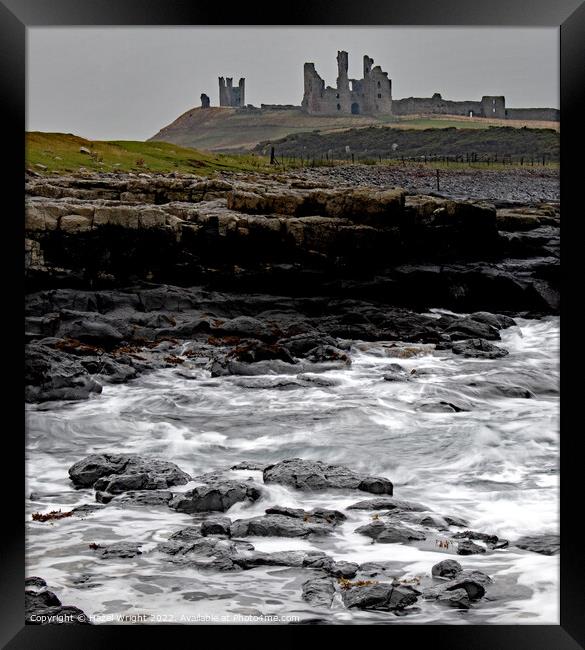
x=317, y=475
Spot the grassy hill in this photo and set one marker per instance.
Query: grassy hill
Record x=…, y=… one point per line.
x=230, y=129
x=374, y=142
x=61, y=152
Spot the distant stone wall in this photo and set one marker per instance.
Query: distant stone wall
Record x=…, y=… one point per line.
x=538, y=114
x=488, y=106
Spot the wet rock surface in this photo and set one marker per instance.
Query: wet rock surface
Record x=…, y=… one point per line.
x=43, y=607
x=215, y=496
x=267, y=289
x=116, y=473
x=316, y=475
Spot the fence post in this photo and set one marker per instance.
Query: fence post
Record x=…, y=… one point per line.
x=272, y=158
x=352, y=159
x=438, y=188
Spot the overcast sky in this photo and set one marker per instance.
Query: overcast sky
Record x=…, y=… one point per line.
x=127, y=83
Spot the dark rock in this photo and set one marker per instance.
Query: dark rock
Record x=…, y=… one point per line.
x=470, y=328
x=319, y=592
x=119, y=550
x=217, y=496
x=301, y=344
x=381, y=596
x=55, y=375
x=250, y=559
x=246, y=327
x=327, y=353
x=42, y=607
x=387, y=533
x=455, y=521
x=473, y=589
x=34, y=600
x=514, y=392
x=250, y=465
x=467, y=547
x=478, y=348
x=337, y=569
x=92, y=331
x=387, y=503
x=316, y=475
x=34, y=581
x=497, y=321
x=543, y=544
x=447, y=569
x=257, y=351
x=318, y=515
x=216, y=526
x=117, y=473
x=86, y=509
x=144, y=498
x=492, y=541
x=278, y=526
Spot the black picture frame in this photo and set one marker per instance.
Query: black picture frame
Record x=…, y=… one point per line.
x=15, y=17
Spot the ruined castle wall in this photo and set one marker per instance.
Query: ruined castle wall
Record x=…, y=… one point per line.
x=435, y=105
x=229, y=95
x=540, y=114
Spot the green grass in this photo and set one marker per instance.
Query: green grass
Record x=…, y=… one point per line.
x=60, y=153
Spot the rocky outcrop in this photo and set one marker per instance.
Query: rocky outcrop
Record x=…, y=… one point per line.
x=380, y=597
x=288, y=522
x=116, y=473
x=390, y=533
x=543, y=544
x=108, y=230
x=42, y=607
x=316, y=475
x=216, y=496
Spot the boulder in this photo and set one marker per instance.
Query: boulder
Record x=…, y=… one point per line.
x=42, y=607
x=55, y=375
x=142, y=498
x=117, y=473
x=446, y=569
x=470, y=328
x=388, y=533
x=467, y=590
x=497, y=321
x=543, y=544
x=479, y=349
x=381, y=596
x=215, y=496
x=387, y=503
x=216, y=526
x=317, y=475
x=119, y=550
x=246, y=327
x=319, y=592
x=279, y=526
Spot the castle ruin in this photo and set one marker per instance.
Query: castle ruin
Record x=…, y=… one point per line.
x=229, y=95
x=368, y=96
x=372, y=95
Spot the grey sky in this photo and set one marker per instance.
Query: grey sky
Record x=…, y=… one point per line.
x=127, y=83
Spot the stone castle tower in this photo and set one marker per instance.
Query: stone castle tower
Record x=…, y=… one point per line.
x=367, y=96
x=230, y=96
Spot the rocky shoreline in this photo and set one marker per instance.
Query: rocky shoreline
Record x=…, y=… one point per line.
x=274, y=282
x=214, y=543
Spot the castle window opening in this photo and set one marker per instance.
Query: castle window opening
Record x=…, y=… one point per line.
x=338, y=107
x=355, y=109
x=379, y=95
